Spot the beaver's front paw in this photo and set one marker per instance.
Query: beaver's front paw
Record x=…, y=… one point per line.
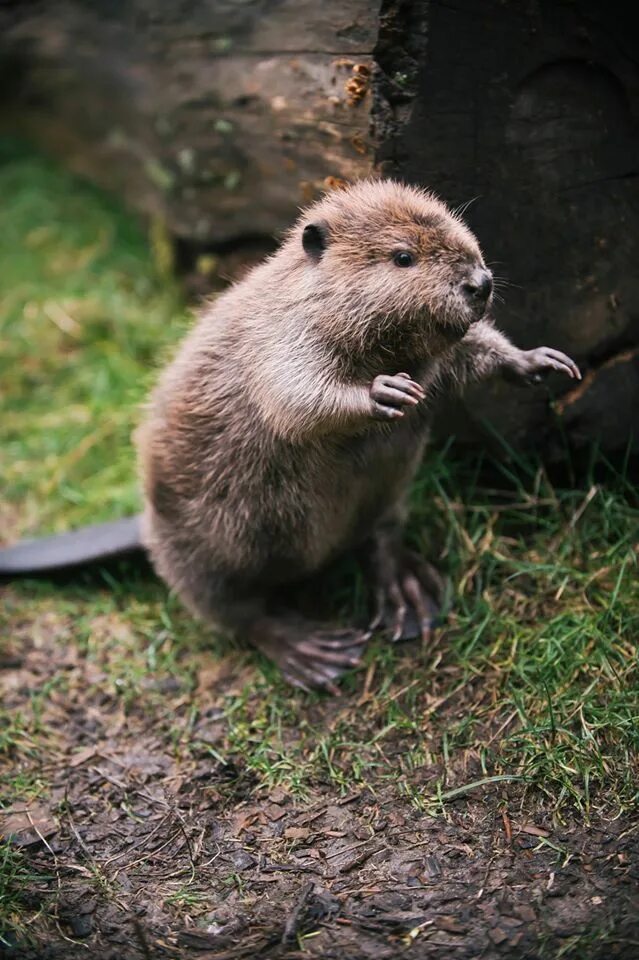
x=532, y=366
x=389, y=394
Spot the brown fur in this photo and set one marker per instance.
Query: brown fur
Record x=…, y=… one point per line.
x=260, y=456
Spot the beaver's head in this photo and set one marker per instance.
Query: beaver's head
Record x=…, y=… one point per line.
x=393, y=254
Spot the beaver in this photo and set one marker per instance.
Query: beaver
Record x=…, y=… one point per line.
x=288, y=428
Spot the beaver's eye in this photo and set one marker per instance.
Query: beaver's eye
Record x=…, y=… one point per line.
x=403, y=259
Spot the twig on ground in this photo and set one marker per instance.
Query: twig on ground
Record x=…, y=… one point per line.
x=293, y=920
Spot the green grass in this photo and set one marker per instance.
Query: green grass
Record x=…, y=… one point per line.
x=15, y=878
x=535, y=678
x=547, y=623
x=83, y=319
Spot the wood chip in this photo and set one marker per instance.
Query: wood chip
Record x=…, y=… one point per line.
x=533, y=830
x=450, y=924
x=297, y=833
x=497, y=935
x=27, y=825
x=82, y=756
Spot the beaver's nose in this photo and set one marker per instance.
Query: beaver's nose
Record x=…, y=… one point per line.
x=478, y=286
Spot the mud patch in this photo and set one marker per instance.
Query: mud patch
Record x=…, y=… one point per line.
x=145, y=841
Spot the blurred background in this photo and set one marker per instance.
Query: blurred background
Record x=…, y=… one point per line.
x=214, y=122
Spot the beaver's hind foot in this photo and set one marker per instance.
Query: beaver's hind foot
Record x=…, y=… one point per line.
x=409, y=595
x=308, y=654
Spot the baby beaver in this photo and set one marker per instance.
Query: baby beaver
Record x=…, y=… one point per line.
x=289, y=426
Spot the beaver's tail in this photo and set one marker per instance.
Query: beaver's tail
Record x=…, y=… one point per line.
x=78, y=548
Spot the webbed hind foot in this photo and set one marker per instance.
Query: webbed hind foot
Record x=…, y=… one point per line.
x=308, y=655
x=409, y=596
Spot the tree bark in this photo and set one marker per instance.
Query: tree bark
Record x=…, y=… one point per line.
x=530, y=111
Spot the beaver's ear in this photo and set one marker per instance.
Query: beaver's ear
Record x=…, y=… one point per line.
x=315, y=239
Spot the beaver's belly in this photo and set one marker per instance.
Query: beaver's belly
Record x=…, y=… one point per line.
x=369, y=486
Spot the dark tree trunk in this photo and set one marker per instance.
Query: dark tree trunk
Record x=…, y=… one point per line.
x=221, y=118
x=531, y=111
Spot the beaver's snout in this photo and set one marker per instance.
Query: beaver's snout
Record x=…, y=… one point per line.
x=477, y=288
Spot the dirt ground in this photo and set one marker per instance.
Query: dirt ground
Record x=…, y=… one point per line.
x=165, y=796
x=143, y=848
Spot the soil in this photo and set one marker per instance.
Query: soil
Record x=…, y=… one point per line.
x=142, y=848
